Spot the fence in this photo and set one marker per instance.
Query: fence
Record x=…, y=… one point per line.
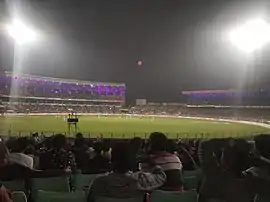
x=112, y=135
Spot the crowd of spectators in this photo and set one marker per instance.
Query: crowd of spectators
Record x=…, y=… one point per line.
x=28, y=94
x=256, y=114
x=232, y=170
x=225, y=112
x=256, y=96
x=28, y=86
x=47, y=95
x=61, y=108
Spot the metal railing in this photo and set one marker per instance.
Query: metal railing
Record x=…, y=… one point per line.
x=126, y=135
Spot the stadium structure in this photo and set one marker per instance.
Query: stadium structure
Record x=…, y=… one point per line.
x=42, y=101
x=22, y=93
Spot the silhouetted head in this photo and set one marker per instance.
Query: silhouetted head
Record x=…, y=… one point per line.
x=19, y=145
x=35, y=135
x=59, y=141
x=262, y=144
x=235, y=156
x=79, y=135
x=135, y=144
x=120, y=158
x=158, y=142
x=79, y=140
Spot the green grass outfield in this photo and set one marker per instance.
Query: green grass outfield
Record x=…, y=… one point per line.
x=118, y=127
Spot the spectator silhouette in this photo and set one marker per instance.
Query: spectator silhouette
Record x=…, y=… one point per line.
x=106, y=150
x=261, y=161
x=185, y=154
x=261, y=166
x=80, y=151
x=135, y=153
x=122, y=183
x=17, y=149
x=169, y=162
x=98, y=164
x=58, y=157
x=13, y=171
x=224, y=178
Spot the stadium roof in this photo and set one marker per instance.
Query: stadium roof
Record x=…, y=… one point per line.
x=61, y=80
x=211, y=91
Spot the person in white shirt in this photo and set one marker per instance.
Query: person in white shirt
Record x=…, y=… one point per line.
x=21, y=159
x=16, y=154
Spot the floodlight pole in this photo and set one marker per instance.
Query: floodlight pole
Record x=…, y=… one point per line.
x=257, y=33
x=17, y=27
x=255, y=57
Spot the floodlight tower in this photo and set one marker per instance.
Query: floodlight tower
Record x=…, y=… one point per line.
x=250, y=38
x=21, y=33
x=22, y=36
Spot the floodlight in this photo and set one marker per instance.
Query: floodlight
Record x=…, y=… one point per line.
x=251, y=36
x=21, y=33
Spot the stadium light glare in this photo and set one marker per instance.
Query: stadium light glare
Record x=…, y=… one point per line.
x=21, y=33
x=251, y=36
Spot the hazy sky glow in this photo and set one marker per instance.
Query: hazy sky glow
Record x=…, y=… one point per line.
x=181, y=43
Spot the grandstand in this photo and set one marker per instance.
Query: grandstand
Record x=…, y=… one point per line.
x=251, y=104
x=30, y=94
x=231, y=97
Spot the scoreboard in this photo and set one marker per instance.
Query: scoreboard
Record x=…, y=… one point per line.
x=141, y=102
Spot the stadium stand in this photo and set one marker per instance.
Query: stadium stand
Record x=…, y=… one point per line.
x=255, y=96
x=248, y=113
x=30, y=94
x=33, y=94
x=154, y=170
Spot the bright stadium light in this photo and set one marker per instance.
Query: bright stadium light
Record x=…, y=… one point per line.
x=21, y=33
x=251, y=36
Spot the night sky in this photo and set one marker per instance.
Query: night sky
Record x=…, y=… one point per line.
x=182, y=43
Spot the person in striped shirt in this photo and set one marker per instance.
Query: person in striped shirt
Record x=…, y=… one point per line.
x=169, y=162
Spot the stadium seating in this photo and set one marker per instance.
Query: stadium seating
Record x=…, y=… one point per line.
x=50, y=184
x=63, y=107
x=191, y=183
x=33, y=86
x=135, y=199
x=49, y=95
x=165, y=196
x=82, y=181
x=208, y=111
x=191, y=179
x=54, y=184
x=190, y=173
x=19, y=196
x=262, y=199
x=15, y=185
x=48, y=196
